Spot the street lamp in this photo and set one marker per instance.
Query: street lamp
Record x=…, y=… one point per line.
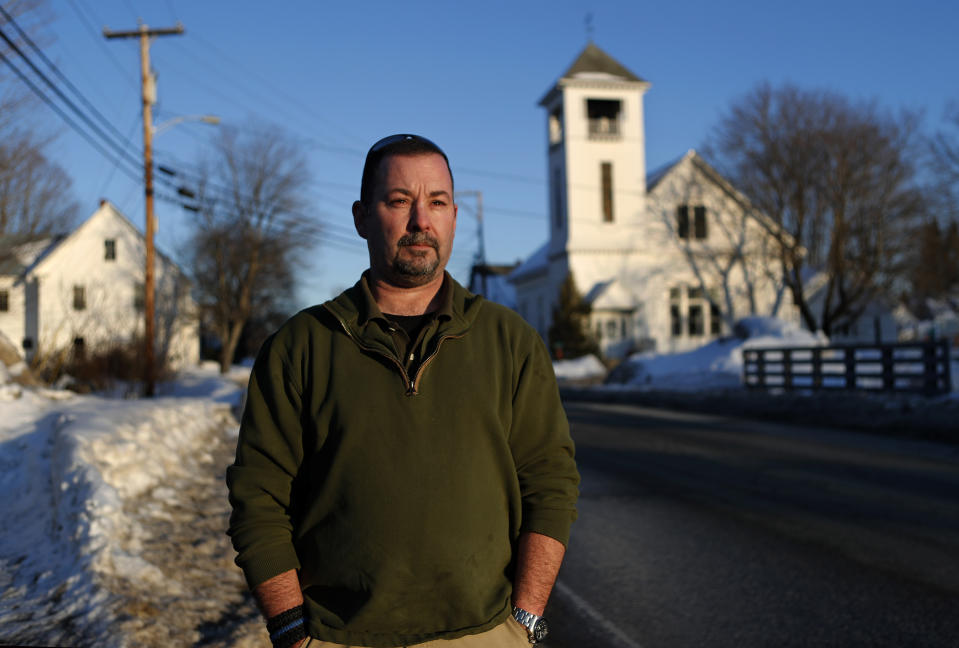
x=170, y=123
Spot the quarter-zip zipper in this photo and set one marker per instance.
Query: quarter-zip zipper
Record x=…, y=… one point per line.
x=410, y=384
x=425, y=362
x=407, y=383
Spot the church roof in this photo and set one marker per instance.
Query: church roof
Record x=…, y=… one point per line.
x=536, y=263
x=593, y=61
x=610, y=295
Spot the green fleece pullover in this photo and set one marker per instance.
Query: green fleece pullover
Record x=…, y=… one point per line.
x=400, y=498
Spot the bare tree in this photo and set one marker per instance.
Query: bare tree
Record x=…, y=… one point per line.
x=249, y=230
x=35, y=192
x=838, y=179
x=945, y=164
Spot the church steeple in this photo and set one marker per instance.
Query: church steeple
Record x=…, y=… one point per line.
x=593, y=62
x=596, y=158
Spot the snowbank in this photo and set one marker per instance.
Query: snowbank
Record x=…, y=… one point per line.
x=81, y=467
x=579, y=369
x=716, y=365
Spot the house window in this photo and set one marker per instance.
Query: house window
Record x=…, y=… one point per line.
x=79, y=298
x=692, y=303
x=603, y=116
x=675, y=312
x=110, y=250
x=556, y=126
x=4, y=301
x=696, y=327
x=696, y=298
x=611, y=329
x=606, y=177
x=138, y=296
x=699, y=229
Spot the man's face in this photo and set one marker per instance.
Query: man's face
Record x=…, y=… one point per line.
x=411, y=219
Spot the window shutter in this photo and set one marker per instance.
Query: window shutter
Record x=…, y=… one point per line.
x=700, y=215
x=682, y=221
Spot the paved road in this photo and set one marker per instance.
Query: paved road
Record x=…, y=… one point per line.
x=701, y=531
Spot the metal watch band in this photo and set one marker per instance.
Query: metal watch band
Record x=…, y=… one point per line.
x=527, y=620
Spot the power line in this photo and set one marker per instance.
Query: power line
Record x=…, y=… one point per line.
x=124, y=72
x=123, y=152
x=113, y=169
x=66, y=118
x=73, y=88
x=309, y=111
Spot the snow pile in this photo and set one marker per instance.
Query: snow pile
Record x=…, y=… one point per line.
x=586, y=367
x=716, y=365
x=88, y=474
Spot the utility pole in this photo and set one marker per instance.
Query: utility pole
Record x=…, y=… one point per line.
x=148, y=82
x=480, y=256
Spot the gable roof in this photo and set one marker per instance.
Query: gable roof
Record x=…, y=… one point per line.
x=536, y=263
x=656, y=177
x=592, y=61
x=610, y=295
x=36, y=253
x=19, y=255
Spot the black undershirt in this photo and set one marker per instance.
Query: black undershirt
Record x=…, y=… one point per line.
x=409, y=323
x=412, y=325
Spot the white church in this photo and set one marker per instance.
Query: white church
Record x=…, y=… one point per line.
x=668, y=259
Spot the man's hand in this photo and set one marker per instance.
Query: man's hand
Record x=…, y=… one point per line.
x=538, y=558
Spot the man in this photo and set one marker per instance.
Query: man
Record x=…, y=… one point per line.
x=404, y=473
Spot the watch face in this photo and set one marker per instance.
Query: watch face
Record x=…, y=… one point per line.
x=540, y=630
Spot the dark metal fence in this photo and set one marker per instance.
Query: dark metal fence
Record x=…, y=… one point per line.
x=908, y=367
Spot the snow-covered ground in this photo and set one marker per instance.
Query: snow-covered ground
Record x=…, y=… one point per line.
x=582, y=368
x=114, y=517
x=716, y=365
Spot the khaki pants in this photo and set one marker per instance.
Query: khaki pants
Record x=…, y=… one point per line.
x=509, y=634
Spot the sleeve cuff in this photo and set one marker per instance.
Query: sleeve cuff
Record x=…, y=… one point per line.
x=264, y=565
x=554, y=523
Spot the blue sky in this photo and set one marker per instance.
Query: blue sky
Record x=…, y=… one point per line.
x=337, y=76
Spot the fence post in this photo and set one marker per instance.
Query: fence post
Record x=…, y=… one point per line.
x=946, y=366
x=850, y=357
x=888, y=378
x=817, y=368
x=787, y=369
x=929, y=372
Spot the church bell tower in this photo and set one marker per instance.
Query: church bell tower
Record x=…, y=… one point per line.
x=596, y=160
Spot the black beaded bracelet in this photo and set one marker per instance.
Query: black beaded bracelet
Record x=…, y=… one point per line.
x=286, y=628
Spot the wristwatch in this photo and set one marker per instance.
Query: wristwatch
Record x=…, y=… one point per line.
x=535, y=625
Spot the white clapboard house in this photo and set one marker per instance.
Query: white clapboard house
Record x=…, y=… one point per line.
x=83, y=290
